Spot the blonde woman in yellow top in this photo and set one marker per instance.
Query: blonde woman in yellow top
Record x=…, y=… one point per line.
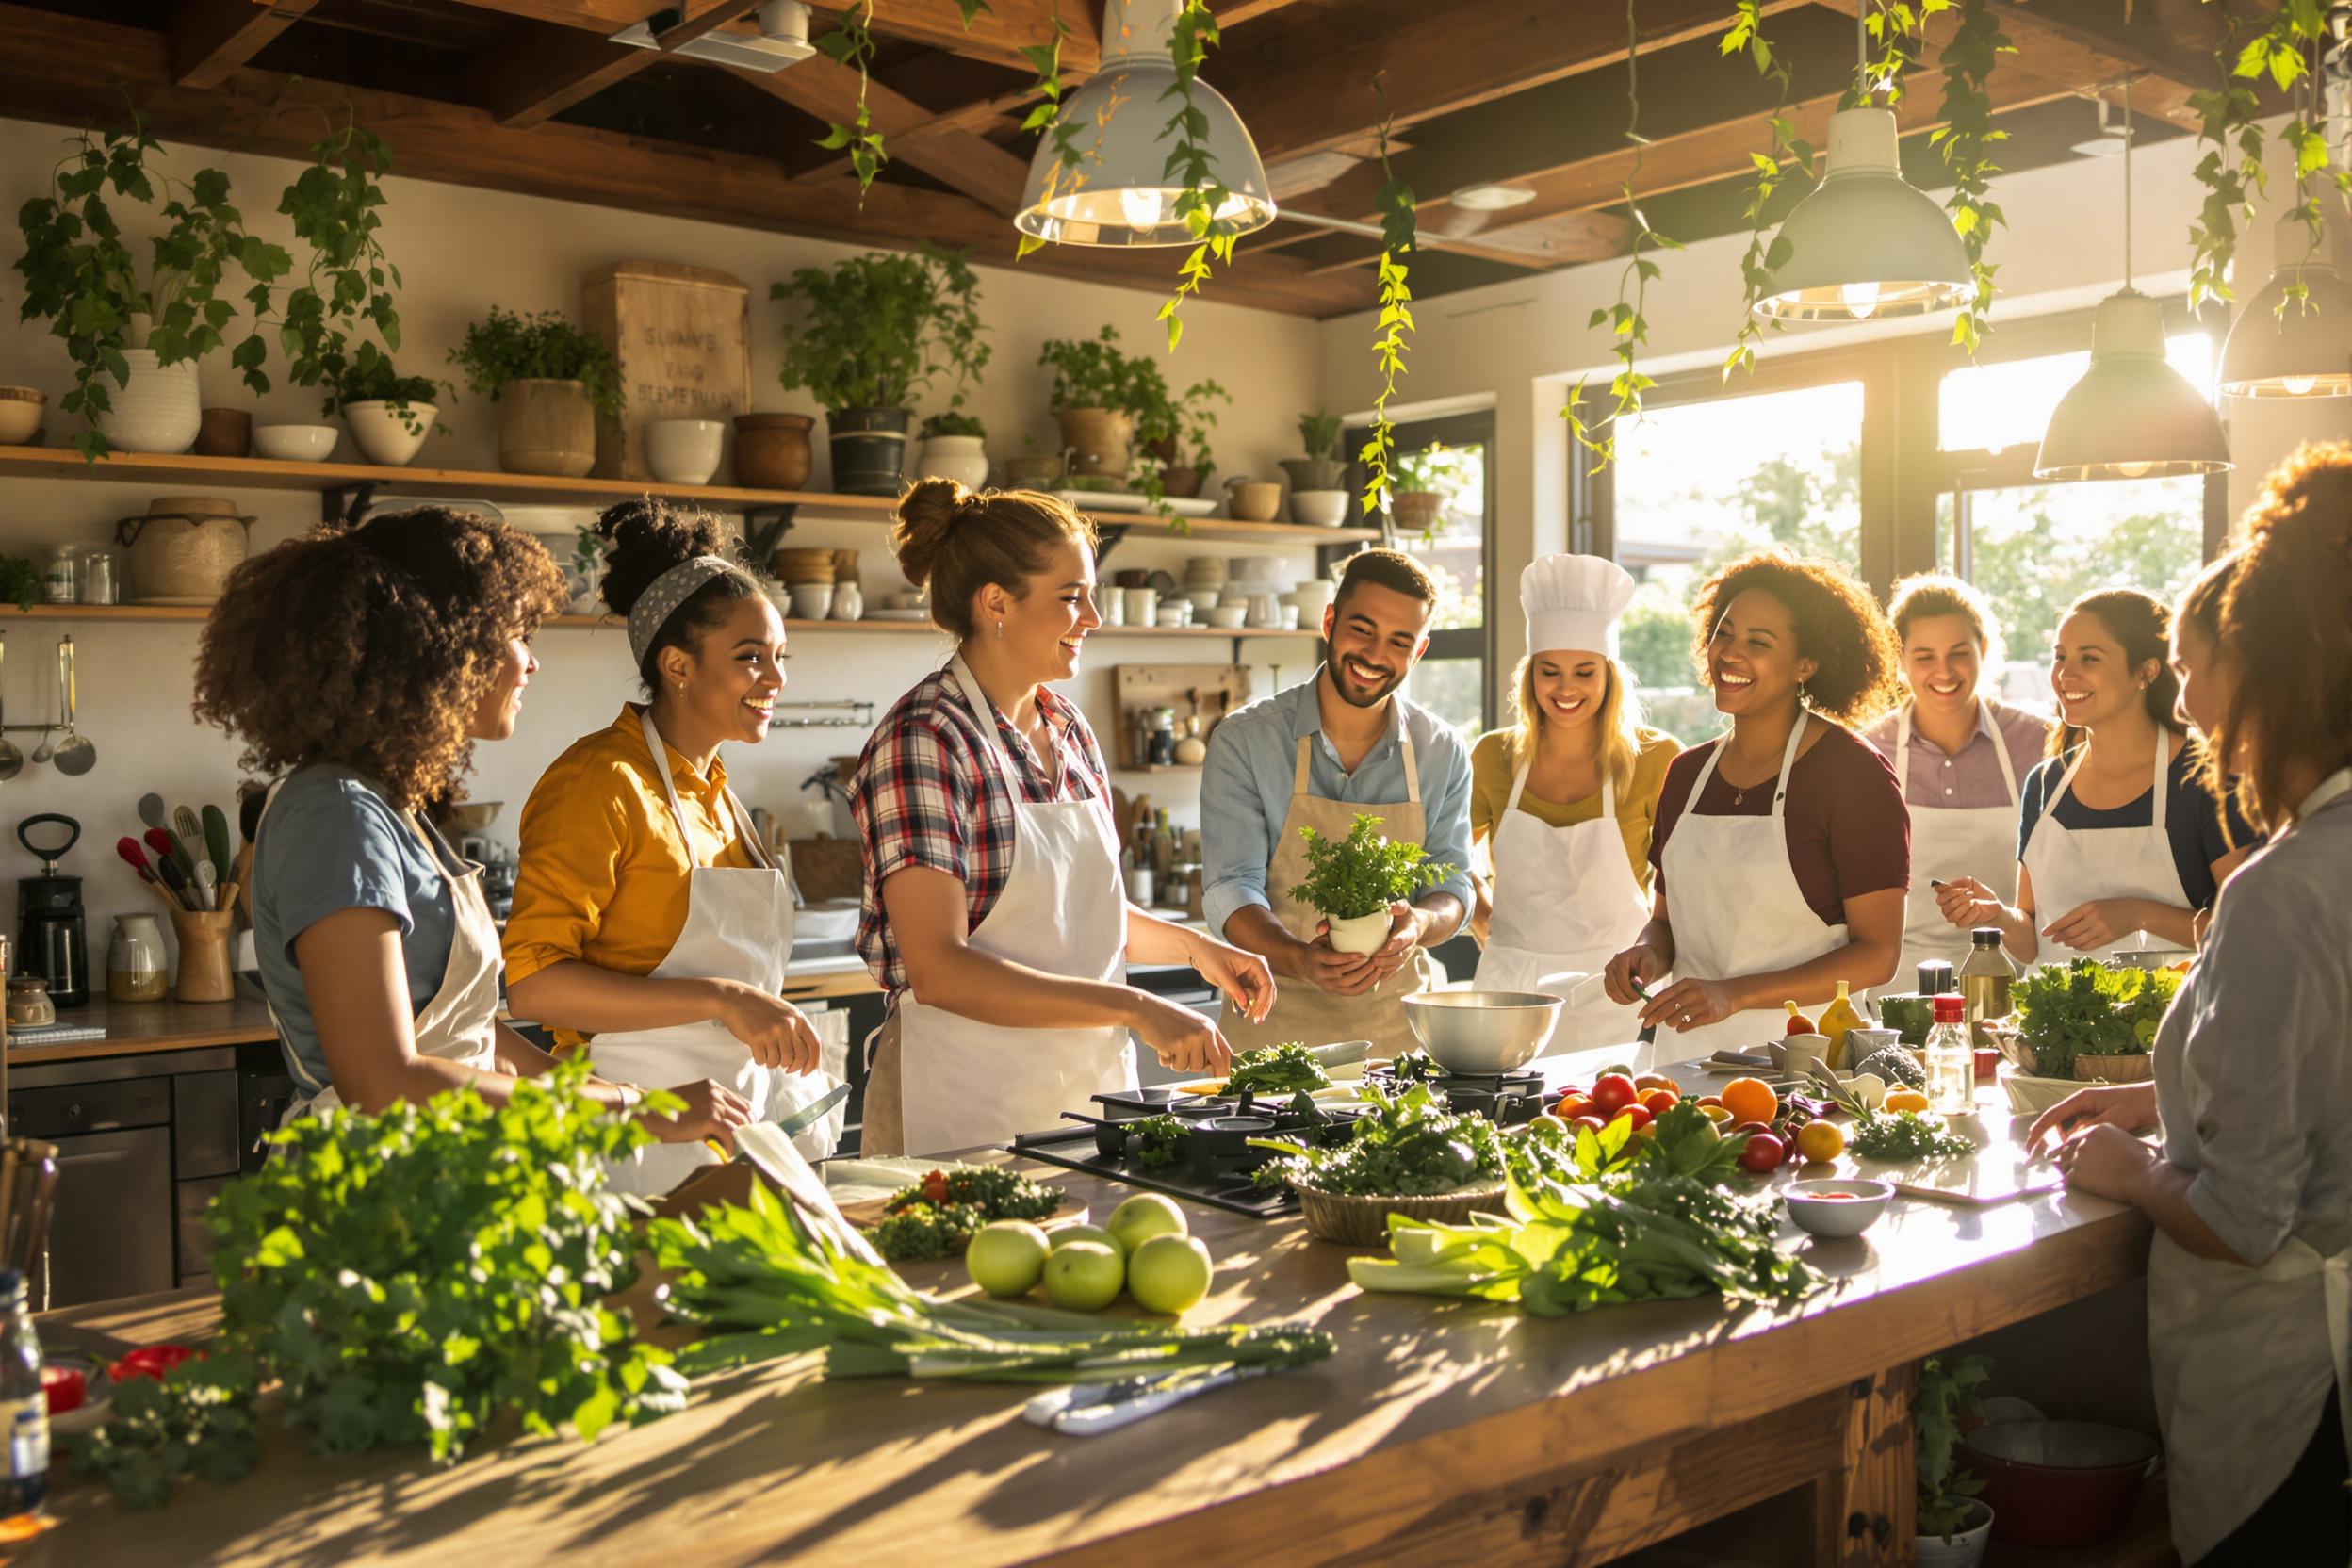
x=1564, y=800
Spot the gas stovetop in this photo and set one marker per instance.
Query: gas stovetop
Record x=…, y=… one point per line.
x=1507, y=1099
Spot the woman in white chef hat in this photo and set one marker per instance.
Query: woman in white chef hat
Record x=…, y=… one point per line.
x=1564, y=799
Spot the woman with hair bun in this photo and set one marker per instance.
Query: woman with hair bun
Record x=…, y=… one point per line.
x=377, y=949
x=995, y=914
x=1784, y=845
x=649, y=925
x=2250, y=1186
x=2118, y=839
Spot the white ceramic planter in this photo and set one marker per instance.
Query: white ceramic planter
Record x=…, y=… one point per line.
x=160, y=411
x=1967, y=1548
x=384, y=435
x=961, y=458
x=1363, y=933
x=683, y=451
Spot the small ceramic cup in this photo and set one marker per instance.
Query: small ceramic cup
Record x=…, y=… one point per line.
x=1143, y=606
x=1804, y=1052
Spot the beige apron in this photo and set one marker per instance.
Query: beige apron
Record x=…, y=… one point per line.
x=1301, y=1011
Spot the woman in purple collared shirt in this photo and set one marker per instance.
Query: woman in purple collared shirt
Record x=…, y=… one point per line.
x=1960, y=755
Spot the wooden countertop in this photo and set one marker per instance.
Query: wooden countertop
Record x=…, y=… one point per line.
x=1439, y=1430
x=134, y=1027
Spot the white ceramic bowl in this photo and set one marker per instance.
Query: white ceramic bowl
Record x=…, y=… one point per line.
x=812, y=601
x=20, y=414
x=1481, y=1031
x=1231, y=617
x=1318, y=508
x=295, y=443
x=1815, y=1207
x=683, y=451
x=1175, y=617
x=1203, y=600
x=386, y=436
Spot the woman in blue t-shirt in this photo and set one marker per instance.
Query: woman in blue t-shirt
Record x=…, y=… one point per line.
x=2120, y=844
x=360, y=665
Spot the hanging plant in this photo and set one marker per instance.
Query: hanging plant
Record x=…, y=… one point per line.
x=1790, y=155
x=1964, y=139
x=1398, y=233
x=1048, y=121
x=852, y=44
x=2231, y=172
x=1204, y=196
x=1628, y=328
x=336, y=207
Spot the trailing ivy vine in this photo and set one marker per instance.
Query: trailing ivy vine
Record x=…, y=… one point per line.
x=1628, y=328
x=1790, y=155
x=852, y=44
x=2231, y=171
x=1965, y=139
x=1046, y=119
x=1203, y=198
x=1398, y=233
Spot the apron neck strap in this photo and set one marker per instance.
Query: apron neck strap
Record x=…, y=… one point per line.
x=1608, y=791
x=1787, y=760
x=660, y=750
x=2163, y=784
x=982, y=709
x=1986, y=719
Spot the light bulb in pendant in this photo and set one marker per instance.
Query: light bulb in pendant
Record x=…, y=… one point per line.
x=1141, y=207
x=1860, y=300
x=2133, y=470
x=2298, y=386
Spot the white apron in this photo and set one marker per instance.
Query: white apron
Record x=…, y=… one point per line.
x=1737, y=909
x=457, y=1021
x=1566, y=902
x=1950, y=842
x=1063, y=909
x=2071, y=866
x=1301, y=1011
x=738, y=926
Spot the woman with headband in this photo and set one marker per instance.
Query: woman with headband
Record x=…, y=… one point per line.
x=649, y=925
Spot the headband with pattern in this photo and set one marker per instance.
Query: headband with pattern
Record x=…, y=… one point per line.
x=664, y=593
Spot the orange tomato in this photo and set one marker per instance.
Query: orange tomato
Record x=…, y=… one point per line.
x=1656, y=1100
x=1656, y=1081
x=1572, y=1107
x=1750, y=1099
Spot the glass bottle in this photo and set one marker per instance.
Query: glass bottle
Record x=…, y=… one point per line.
x=1950, y=1059
x=136, y=970
x=60, y=578
x=1987, y=979
x=24, y=1407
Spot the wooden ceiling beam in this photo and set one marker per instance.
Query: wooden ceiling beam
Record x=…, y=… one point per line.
x=63, y=70
x=969, y=163
x=212, y=38
x=543, y=72
x=998, y=34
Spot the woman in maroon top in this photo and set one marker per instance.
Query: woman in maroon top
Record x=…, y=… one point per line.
x=1785, y=847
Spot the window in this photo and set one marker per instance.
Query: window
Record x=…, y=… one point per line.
x=1450, y=458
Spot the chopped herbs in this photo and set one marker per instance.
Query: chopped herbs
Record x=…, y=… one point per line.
x=1906, y=1135
x=1156, y=1142
x=1287, y=1068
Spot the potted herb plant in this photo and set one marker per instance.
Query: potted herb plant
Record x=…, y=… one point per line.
x=1953, y=1525
x=390, y=415
x=955, y=445
x=1422, y=477
x=142, y=330
x=1175, y=434
x=866, y=338
x=1352, y=881
x=1322, y=468
x=1098, y=393
x=551, y=380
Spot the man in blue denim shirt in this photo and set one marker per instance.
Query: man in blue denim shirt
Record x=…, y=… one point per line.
x=1314, y=756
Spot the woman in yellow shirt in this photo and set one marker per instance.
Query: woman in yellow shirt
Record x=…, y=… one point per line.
x=1564, y=800
x=646, y=914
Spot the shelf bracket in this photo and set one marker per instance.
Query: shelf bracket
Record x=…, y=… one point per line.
x=765, y=528
x=1106, y=536
x=345, y=502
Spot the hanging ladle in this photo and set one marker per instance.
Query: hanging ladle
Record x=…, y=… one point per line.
x=12, y=759
x=77, y=756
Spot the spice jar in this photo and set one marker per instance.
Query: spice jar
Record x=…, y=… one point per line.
x=29, y=1006
x=98, y=579
x=60, y=578
x=1163, y=747
x=135, y=969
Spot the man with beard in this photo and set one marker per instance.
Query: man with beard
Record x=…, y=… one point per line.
x=1318, y=755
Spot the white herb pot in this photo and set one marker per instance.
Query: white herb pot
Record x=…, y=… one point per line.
x=383, y=432
x=961, y=458
x=1363, y=934
x=160, y=411
x=1967, y=1548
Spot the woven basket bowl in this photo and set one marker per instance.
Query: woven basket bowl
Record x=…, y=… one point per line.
x=1363, y=1221
x=2134, y=1068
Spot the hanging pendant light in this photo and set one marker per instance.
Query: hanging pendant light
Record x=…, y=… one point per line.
x=2294, y=339
x=2131, y=416
x=1121, y=192
x=1865, y=243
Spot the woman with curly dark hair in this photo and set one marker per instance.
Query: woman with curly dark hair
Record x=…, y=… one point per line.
x=649, y=921
x=1785, y=842
x=359, y=665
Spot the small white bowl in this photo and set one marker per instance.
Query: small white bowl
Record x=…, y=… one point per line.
x=295, y=443
x=20, y=414
x=1318, y=508
x=1175, y=617
x=1813, y=1207
x=1229, y=618
x=812, y=601
x=1203, y=600
x=683, y=451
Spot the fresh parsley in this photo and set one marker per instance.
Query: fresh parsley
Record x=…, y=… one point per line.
x=1154, y=1142
x=1364, y=873
x=1286, y=1069
x=1906, y=1135
x=1410, y=1146
x=2084, y=1009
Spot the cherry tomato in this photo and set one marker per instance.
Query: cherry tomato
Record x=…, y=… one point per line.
x=1638, y=1115
x=1572, y=1107
x=1613, y=1093
x=1656, y=1081
x=1571, y=1092
x=63, y=1387
x=1594, y=1122
x=149, y=1361
x=1763, y=1153
x=1656, y=1100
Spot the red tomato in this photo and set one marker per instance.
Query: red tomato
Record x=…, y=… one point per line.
x=1656, y=1100
x=149, y=1361
x=1592, y=1122
x=63, y=1387
x=1612, y=1092
x=1638, y=1115
x=1570, y=1091
x=1764, y=1154
x=1572, y=1107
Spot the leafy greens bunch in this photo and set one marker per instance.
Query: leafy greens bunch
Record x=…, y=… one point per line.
x=1285, y=1068
x=1364, y=873
x=2087, y=1009
x=1410, y=1146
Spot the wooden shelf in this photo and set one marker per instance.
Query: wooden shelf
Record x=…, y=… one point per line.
x=613, y=623
x=1149, y=527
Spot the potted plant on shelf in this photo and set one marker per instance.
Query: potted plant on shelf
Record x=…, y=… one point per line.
x=551, y=380
x=1352, y=881
x=955, y=445
x=1423, y=479
x=144, y=335
x=1318, y=482
x=1098, y=393
x=1175, y=436
x=390, y=415
x=1953, y=1525
x=868, y=338
x=1033, y=470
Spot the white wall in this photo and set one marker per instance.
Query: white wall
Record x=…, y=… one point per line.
x=460, y=251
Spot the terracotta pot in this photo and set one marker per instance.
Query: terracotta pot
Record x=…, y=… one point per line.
x=1175, y=478
x=1253, y=500
x=546, y=426
x=1416, y=511
x=869, y=450
x=1097, y=439
x=183, y=549
x=772, y=450
x=225, y=433
x=1033, y=473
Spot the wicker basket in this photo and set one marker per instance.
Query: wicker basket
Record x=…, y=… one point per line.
x=2032, y=1096
x=2137, y=1067
x=1363, y=1221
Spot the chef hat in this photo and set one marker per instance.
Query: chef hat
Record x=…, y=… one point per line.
x=1572, y=603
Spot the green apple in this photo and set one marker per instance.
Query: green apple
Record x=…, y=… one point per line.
x=1062, y=1235
x=1169, y=1273
x=1146, y=1214
x=1007, y=1257
x=1082, y=1276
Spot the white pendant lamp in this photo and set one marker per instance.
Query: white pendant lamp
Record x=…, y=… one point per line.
x=1120, y=192
x=2131, y=416
x=1865, y=243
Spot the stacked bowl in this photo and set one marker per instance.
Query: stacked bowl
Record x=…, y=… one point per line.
x=807, y=576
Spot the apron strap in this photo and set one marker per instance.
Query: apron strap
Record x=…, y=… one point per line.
x=2001, y=754
x=984, y=709
x=1412, y=772
x=1299, y=774
x=1609, y=792
x=1787, y=760
x=660, y=751
x=2163, y=767
x=1518, y=787
x=2000, y=750
x=2163, y=786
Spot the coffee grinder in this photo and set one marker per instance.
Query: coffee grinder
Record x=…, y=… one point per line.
x=51, y=939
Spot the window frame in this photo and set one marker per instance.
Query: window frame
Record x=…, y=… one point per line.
x=1475, y=428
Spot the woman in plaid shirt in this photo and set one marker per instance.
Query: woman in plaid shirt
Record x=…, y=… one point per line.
x=995, y=914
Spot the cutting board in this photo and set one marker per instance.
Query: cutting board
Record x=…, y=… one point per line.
x=2002, y=1169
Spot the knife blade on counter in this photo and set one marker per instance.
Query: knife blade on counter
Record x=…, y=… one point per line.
x=1088, y=1409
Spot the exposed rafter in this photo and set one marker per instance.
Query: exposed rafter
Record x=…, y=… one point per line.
x=212, y=38
x=544, y=71
x=980, y=168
